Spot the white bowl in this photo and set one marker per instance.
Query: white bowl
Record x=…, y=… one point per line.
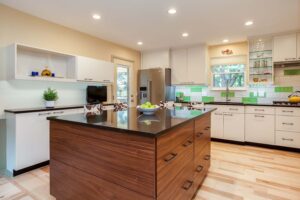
x=148, y=111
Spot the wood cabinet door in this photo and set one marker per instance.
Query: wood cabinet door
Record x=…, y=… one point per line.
x=196, y=65
x=260, y=128
x=234, y=126
x=179, y=66
x=285, y=48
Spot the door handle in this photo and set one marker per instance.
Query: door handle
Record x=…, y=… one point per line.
x=187, y=185
x=170, y=157
x=187, y=143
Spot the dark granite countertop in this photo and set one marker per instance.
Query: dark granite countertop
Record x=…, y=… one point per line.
x=134, y=122
x=42, y=109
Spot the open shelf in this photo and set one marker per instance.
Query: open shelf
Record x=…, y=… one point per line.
x=25, y=59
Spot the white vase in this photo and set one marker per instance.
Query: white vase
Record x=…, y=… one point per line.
x=50, y=104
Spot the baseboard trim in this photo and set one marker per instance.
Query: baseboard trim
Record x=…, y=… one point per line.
x=290, y=149
x=27, y=169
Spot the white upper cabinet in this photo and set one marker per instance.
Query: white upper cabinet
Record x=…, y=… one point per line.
x=285, y=48
x=179, y=66
x=188, y=65
x=156, y=59
x=93, y=70
x=196, y=65
x=298, y=46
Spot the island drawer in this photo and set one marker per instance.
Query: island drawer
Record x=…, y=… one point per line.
x=288, y=111
x=174, y=151
x=201, y=166
x=202, y=132
x=182, y=187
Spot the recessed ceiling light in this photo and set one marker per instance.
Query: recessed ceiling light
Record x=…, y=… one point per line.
x=140, y=43
x=96, y=16
x=225, y=40
x=185, y=34
x=172, y=11
x=248, y=23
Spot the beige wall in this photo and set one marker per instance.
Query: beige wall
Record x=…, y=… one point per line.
x=240, y=55
x=18, y=27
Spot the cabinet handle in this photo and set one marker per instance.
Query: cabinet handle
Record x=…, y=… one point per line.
x=218, y=113
x=207, y=157
x=199, y=134
x=288, y=111
x=187, y=143
x=170, y=157
x=88, y=79
x=187, y=185
x=289, y=124
x=287, y=139
x=230, y=115
x=259, y=109
x=233, y=109
x=43, y=114
x=207, y=128
x=199, y=168
x=257, y=116
x=106, y=80
x=58, y=112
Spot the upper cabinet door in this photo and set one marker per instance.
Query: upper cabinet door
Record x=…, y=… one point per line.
x=179, y=66
x=93, y=70
x=285, y=48
x=298, y=46
x=196, y=65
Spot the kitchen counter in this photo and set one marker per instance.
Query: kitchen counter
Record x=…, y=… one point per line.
x=42, y=109
x=132, y=121
x=252, y=104
x=125, y=155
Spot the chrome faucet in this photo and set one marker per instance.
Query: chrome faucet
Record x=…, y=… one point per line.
x=227, y=91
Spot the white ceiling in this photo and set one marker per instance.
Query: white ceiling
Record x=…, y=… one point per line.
x=128, y=21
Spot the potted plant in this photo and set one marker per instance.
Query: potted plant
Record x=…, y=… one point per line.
x=50, y=96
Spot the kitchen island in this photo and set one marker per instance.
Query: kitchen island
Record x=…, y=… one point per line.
x=126, y=155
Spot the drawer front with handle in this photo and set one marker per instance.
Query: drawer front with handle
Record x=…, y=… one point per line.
x=288, y=123
x=174, y=152
x=234, y=109
x=202, y=133
x=288, y=111
x=181, y=187
x=201, y=165
x=288, y=139
x=260, y=110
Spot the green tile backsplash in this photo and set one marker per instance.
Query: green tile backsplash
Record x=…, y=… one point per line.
x=250, y=100
x=207, y=99
x=230, y=94
x=196, y=89
x=284, y=89
x=289, y=72
x=186, y=98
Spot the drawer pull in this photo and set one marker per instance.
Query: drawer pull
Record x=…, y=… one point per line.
x=230, y=115
x=218, y=113
x=207, y=128
x=289, y=124
x=287, y=139
x=236, y=109
x=43, y=114
x=259, y=109
x=288, y=111
x=199, y=134
x=199, y=168
x=187, y=185
x=58, y=112
x=170, y=157
x=259, y=116
x=187, y=143
x=207, y=157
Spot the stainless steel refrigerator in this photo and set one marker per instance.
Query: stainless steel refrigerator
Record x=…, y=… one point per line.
x=154, y=85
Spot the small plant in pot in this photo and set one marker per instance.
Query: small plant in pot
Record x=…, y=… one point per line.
x=50, y=96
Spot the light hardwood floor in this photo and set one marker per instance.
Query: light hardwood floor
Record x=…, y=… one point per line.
x=237, y=172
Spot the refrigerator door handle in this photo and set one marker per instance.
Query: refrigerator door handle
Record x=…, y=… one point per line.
x=150, y=91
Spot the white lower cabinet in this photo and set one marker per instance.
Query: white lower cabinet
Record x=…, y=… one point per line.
x=234, y=124
x=28, y=137
x=217, y=128
x=260, y=128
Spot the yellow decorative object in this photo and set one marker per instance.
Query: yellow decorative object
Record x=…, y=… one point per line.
x=46, y=72
x=294, y=99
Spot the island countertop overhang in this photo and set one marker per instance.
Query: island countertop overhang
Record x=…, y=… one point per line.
x=131, y=121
